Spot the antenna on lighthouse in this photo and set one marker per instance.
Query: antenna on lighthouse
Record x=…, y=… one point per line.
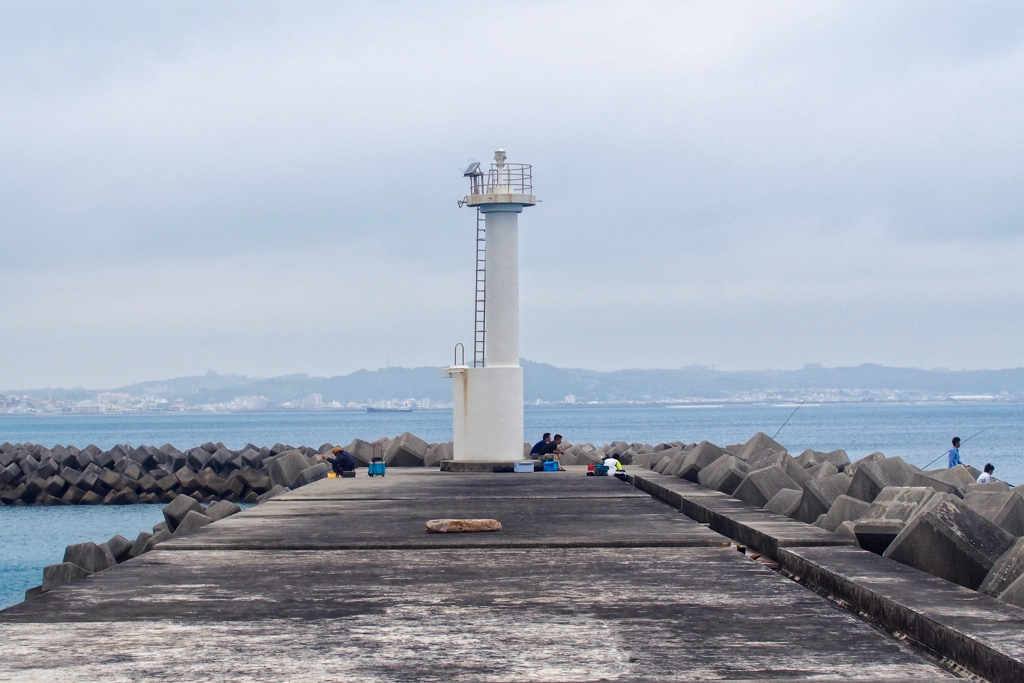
x=487, y=398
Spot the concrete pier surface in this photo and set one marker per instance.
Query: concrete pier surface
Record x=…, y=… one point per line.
x=588, y=579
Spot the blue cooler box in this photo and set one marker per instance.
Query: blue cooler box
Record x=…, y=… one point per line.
x=550, y=466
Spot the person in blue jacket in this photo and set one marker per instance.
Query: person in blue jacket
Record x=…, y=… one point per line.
x=341, y=460
x=954, y=453
x=538, y=447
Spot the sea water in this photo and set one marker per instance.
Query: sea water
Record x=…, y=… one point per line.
x=31, y=538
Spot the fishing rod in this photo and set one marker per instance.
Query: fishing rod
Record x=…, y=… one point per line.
x=793, y=413
x=962, y=441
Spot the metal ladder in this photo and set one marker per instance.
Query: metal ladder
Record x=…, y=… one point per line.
x=480, y=315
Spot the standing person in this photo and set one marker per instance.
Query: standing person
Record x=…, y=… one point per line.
x=954, y=454
x=539, y=446
x=986, y=476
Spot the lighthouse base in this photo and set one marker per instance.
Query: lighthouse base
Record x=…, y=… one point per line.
x=487, y=413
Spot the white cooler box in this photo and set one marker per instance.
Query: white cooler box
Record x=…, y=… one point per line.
x=523, y=466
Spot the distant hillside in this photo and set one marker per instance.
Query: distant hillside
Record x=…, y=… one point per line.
x=547, y=383
x=359, y=387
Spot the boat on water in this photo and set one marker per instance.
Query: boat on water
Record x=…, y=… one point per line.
x=389, y=410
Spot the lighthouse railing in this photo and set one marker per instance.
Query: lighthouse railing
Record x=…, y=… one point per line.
x=509, y=178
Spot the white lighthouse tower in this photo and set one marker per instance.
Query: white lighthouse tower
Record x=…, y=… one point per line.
x=488, y=396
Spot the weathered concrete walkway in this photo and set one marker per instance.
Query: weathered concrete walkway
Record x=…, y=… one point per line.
x=589, y=579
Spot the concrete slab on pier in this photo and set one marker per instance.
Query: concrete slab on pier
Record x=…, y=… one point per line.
x=965, y=626
x=533, y=522
x=240, y=609
x=759, y=529
x=400, y=484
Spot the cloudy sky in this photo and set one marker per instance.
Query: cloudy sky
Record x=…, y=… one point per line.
x=269, y=188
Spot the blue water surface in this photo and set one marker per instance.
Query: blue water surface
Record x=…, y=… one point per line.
x=31, y=538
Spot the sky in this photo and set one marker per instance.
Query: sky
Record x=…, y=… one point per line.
x=271, y=188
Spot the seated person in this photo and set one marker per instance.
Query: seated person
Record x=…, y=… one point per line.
x=540, y=445
x=341, y=460
x=551, y=451
x=615, y=467
x=986, y=476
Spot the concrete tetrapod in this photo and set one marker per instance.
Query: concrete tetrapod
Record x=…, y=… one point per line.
x=286, y=468
x=1014, y=593
x=785, y=502
x=221, y=509
x=872, y=477
x=1002, y=507
x=89, y=556
x=949, y=540
x=793, y=469
x=757, y=443
x=875, y=535
x=819, y=495
x=988, y=486
x=809, y=458
x=671, y=461
x=837, y=458
x=724, y=474
x=276, y=491
x=362, y=451
x=436, y=453
x=852, y=468
x=898, y=502
x=960, y=476
x=887, y=516
x=1007, y=569
x=119, y=548
x=312, y=473
x=408, y=450
x=697, y=459
x=926, y=479
x=175, y=511
x=844, y=509
x=760, y=486
x=159, y=538
x=56, y=575
x=667, y=458
x=822, y=470
x=141, y=544
x=765, y=458
x=193, y=520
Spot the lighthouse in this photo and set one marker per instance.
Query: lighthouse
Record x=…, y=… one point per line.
x=487, y=396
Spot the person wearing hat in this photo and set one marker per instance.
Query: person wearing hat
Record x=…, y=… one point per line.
x=341, y=460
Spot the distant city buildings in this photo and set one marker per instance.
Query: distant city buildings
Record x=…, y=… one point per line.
x=122, y=403
x=113, y=399
x=249, y=403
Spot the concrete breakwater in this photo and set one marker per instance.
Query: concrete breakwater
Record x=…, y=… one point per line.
x=939, y=521
x=588, y=579
x=31, y=474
